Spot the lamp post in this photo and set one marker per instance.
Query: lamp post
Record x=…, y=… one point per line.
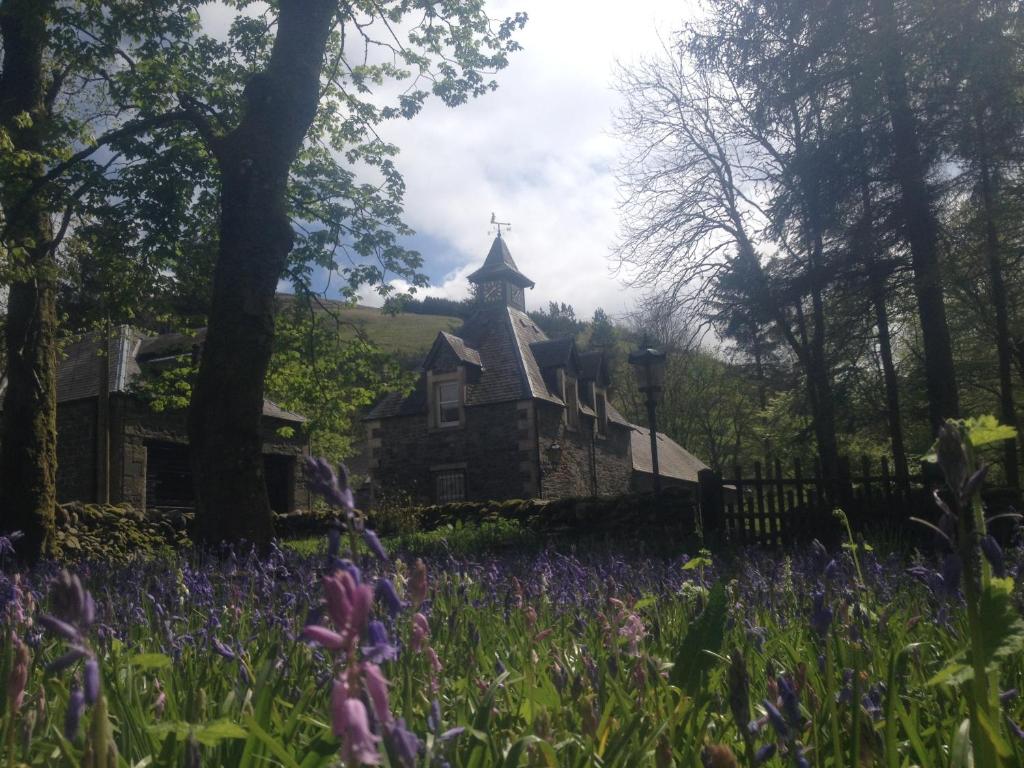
x=649, y=367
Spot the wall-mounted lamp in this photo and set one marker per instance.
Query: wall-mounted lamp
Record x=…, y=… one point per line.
x=554, y=453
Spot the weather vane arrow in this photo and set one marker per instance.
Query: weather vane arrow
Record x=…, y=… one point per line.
x=500, y=224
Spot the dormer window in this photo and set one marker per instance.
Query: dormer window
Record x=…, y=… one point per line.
x=602, y=413
x=449, y=410
x=572, y=405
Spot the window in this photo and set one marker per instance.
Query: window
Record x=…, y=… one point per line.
x=602, y=414
x=448, y=412
x=450, y=486
x=572, y=403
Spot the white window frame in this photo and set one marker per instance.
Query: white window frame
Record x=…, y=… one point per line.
x=455, y=402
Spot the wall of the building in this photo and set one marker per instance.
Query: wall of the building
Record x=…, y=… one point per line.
x=585, y=464
x=406, y=454
x=76, y=451
x=133, y=425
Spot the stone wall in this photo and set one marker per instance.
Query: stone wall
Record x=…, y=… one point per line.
x=586, y=464
x=133, y=425
x=76, y=451
x=406, y=454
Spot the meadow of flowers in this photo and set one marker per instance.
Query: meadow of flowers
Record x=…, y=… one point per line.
x=551, y=655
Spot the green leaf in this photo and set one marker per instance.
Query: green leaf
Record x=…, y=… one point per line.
x=987, y=429
x=706, y=633
x=213, y=733
x=1002, y=635
x=150, y=660
x=275, y=746
x=960, y=754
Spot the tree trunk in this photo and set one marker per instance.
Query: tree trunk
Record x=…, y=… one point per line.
x=892, y=391
x=918, y=223
x=225, y=416
x=28, y=454
x=1007, y=411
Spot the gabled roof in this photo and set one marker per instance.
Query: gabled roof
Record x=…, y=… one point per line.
x=502, y=338
x=594, y=366
x=127, y=351
x=80, y=367
x=462, y=352
x=556, y=353
x=499, y=265
x=673, y=460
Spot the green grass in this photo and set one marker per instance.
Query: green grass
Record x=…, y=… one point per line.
x=406, y=335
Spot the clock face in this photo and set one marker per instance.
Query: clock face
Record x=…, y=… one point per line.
x=517, y=296
x=492, y=291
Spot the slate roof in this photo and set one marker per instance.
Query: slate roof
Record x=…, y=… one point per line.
x=500, y=265
x=79, y=369
x=594, y=366
x=462, y=352
x=127, y=351
x=499, y=340
x=554, y=353
x=673, y=460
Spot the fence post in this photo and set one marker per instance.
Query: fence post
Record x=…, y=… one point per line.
x=711, y=512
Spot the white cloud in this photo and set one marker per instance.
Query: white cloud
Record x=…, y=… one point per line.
x=539, y=152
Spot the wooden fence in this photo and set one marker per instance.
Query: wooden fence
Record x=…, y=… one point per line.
x=774, y=506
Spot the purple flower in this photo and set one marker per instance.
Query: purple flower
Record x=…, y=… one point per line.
x=821, y=615
x=790, y=702
x=377, y=687
x=406, y=744
x=72, y=718
x=92, y=681
x=379, y=648
x=994, y=554
x=358, y=744
x=66, y=660
x=320, y=479
x=59, y=627
x=776, y=719
x=222, y=649
x=374, y=544
x=764, y=754
x=434, y=717
x=952, y=568
x=386, y=594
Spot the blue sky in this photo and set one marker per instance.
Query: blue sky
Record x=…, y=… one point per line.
x=539, y=152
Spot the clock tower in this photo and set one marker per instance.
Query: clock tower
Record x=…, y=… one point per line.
x=499, y=280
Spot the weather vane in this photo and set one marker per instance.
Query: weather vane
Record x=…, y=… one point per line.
x=500, y=224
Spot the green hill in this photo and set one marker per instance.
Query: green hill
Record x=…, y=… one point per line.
x=407, y=335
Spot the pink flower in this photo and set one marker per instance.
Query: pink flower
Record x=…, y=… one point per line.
x=348, y=605
x=435, y=663
x=351, y=725
x=418, y=584
x=18, y=676
x=377, y=687
x=325, y=637
x=420, y=631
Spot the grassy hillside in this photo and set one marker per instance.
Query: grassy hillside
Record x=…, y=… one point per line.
x=404, y=334
x=407, y=335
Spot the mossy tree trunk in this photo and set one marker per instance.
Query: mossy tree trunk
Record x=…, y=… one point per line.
x=28, y=435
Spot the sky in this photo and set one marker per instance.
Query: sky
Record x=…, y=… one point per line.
x=540, y=152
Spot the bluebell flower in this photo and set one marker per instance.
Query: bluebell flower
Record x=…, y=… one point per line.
x=776, y=719
x=821, y=615
x=73, y=717
x=407, y=745
x=389, y=597
x=994, y=554
x=378, y=648
x=764, y=754
x=373, y=542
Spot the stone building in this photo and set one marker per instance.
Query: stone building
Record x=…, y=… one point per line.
x=501, y=411
x=113, y=447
